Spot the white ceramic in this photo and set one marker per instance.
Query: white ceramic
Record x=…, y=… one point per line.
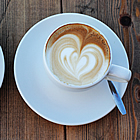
x=48, y=100
x=2, y=66
x=114, y=72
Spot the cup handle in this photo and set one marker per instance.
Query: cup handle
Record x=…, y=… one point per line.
x=118, y=73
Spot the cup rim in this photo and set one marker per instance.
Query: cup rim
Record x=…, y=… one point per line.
x=71, y=86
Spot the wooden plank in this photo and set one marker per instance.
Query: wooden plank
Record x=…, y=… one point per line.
x=114, y=125
x=135, y=81
x=89, y=7
x=76, y=132
x=17, y=120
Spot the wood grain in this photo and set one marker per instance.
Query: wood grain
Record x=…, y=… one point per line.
x=18, y=121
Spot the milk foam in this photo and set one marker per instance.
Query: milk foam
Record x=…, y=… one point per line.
x=74, y=64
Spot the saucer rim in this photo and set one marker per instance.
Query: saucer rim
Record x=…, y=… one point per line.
x=3, y=66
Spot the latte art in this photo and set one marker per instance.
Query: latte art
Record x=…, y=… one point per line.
x=77, y=54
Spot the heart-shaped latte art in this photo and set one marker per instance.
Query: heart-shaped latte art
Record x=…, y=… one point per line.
x=75, y=58
x=79, y=63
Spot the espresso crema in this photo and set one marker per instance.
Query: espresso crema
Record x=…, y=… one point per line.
x=77, y=54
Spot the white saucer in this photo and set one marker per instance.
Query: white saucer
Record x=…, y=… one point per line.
x=2, y=66
x=48, y=100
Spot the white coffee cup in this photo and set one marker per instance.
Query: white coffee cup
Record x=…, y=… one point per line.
x=113, y=72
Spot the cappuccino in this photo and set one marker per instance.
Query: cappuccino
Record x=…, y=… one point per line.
x=77, y=54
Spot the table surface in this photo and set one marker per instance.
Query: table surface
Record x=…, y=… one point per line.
x=17, y=120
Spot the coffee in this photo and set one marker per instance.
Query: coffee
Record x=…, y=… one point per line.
x=77, y=54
